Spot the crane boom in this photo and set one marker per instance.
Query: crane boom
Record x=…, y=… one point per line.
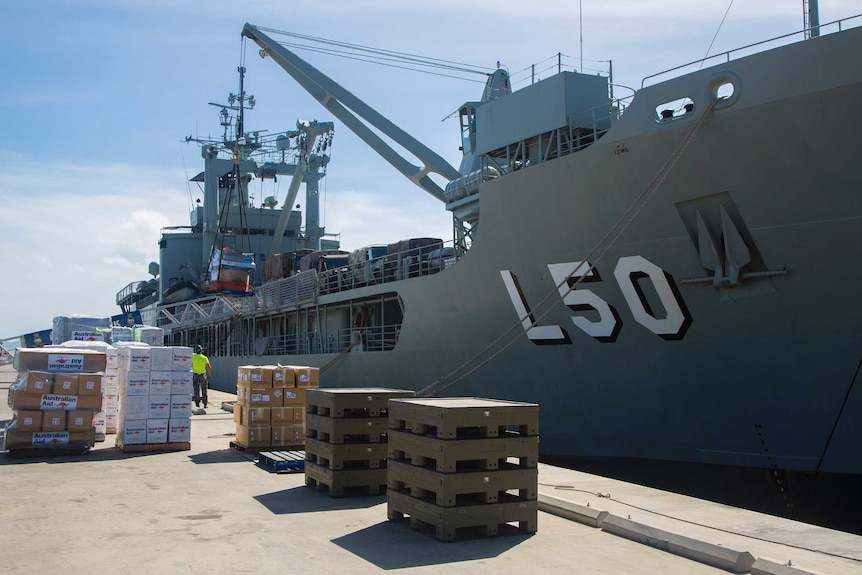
x=342, y=104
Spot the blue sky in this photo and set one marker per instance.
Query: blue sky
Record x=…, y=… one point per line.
x=97, y=95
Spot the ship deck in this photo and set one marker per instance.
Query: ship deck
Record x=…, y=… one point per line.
x=213, y=509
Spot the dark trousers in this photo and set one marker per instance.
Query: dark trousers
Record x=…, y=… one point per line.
x=199, y=382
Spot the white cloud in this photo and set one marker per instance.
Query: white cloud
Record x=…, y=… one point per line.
x=75, y=234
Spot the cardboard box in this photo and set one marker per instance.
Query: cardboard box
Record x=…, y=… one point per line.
x=157, y=431
x=133, y=431
x=53, y=421
x=181, y=382
x=58, y=359
x=256, y=416
x=78, y=420
x=281, y=375
x=160, y=407
x=90, y=384
x=264, y=398
x=182, y=358
x=253, y=436
x=65, y=384
x=111, y=358
x=307, y=376
x=161, y=382
x=34, y=382
x=112, y=421
x=161, y=358
x=133, y=357
x=288, y=435
x=27, y=420
x=154, y=336
x=280, y=416
x=27, y=401
x=89, y=403
x=98, y=423
x=237, y=414
x=135, y=407
x=111, y=379
x=294, y=397
x=282, y=435
x=181, y=406
x=299, y=415
x=254, y=377
x=112, y=401
x=241, y=394
x=179, y=430
x=48, y=438
x=134, y=383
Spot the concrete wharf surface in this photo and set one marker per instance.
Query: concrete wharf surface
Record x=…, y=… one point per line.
x=212, y=509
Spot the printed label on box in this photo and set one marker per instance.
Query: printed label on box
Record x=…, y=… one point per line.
x=65, y=362
x=85, y=335
x=50, y=438
x=66, y=402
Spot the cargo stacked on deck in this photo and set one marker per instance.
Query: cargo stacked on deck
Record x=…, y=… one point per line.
x=270, y=407
x=155, y=389
x=346, y=433
x=462, y=465
x=55, y=397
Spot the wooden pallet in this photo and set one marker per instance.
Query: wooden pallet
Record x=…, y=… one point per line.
x=461, y=455
x=464, y=417
x=451, y=489
x=254, y=449
x=346, y=430
x=352, y=402
x=152, y=447
x=282, y=461
x=345, y=482
x=49, y=450
x=450, y=523
x=346, y=455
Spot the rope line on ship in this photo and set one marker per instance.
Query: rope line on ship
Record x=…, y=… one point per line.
x=690, y=522
x=555, y=296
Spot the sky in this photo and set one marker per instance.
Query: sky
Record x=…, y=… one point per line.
x=97, y=97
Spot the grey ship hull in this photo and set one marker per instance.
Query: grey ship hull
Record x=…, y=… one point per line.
x=762, y=375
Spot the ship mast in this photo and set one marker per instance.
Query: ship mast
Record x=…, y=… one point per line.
x=811, y=18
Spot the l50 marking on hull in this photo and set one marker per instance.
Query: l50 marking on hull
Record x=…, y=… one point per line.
x=628, y=273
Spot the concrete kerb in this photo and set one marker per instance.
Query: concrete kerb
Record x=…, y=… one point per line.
x=767, y=567
x=700, y=551
x=572, y=511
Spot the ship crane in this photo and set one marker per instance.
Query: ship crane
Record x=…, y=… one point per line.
x=307, y=134
x=345, y=106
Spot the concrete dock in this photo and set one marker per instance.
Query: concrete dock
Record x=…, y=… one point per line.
x=212, y=509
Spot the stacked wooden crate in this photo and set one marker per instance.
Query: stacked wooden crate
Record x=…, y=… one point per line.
x=346, y=431
x=463, y=465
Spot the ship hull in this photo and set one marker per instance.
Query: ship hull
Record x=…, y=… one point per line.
x=760, y=375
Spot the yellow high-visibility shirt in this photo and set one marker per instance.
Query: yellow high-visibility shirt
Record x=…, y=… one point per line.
x=199, y=363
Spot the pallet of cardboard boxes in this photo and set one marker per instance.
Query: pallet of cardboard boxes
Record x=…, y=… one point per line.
x=54, y=399
x=155, y=396
x=270, y=408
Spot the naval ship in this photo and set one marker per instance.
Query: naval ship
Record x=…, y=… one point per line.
x=673, y=278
